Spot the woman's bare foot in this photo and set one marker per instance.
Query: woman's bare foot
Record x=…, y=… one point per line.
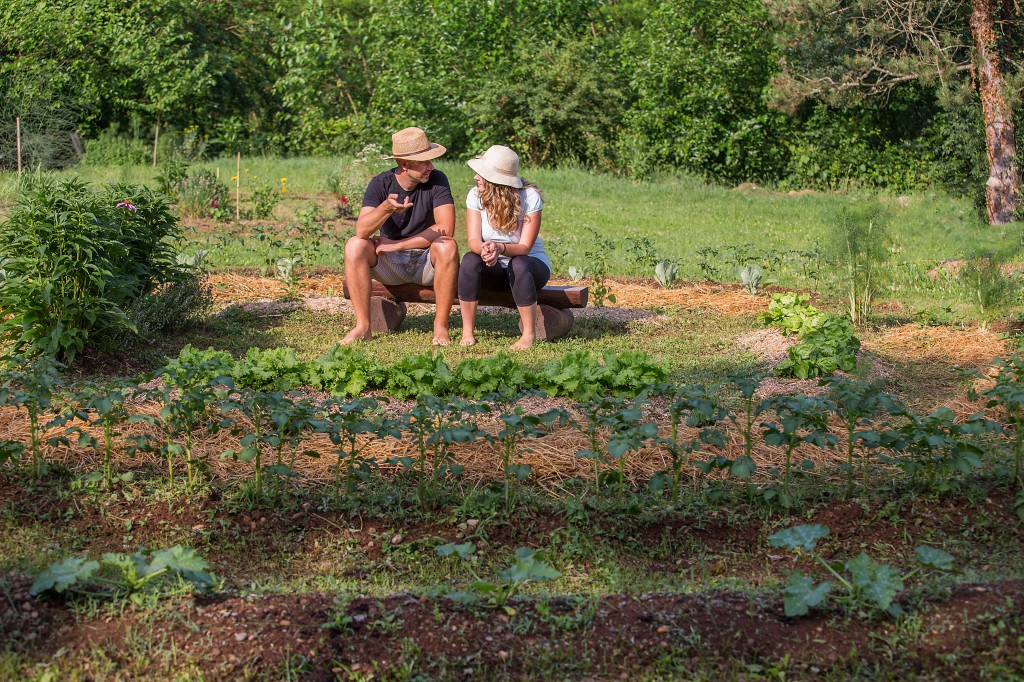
x=523, y=343
x=442, y=337
x=468, y=339
x=355, y=335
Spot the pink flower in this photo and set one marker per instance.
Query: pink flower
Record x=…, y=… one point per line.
x=344, y=200
x=128, y=205
x=215, y=203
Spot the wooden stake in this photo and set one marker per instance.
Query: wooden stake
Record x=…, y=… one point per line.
x=17, y=134
x=156, y=141
x=238, y=182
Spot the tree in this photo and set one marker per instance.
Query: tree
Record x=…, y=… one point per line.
x=699, y=71
x=839, y=50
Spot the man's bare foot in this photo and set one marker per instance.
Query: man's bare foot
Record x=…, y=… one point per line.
x=523, y=343
x=355, y=335
x=468, y=339
x=442, y=338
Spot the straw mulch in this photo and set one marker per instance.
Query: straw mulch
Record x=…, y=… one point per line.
x=553, y=457
x=236, y=288
x=688, y=296
x=971, y=347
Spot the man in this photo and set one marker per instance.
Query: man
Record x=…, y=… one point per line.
x=412, y=207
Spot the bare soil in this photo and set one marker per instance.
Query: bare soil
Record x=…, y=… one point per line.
x=966, y=629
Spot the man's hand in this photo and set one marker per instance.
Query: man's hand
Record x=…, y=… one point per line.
x=382, y=244
x=395, y=207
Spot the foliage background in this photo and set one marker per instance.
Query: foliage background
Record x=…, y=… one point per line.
x=634, y=86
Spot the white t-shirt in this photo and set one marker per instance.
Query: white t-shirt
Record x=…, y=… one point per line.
x=532, y=203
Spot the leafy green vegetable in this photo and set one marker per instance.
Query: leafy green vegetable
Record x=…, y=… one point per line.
x=344, y=371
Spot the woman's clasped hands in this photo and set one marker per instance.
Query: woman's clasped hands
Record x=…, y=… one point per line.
x=490, y=251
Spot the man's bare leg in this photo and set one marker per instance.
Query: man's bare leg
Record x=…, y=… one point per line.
x=360, y=256
x=528, y=313
x=444, y=254
x=468, y=309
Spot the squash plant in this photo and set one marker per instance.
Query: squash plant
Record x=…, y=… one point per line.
x=864, y=584
x=124, y=574
x=528, y=567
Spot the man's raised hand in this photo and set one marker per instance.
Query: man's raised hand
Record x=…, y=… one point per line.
x=397, y=207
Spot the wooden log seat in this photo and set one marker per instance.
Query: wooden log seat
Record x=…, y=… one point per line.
x=387, y=305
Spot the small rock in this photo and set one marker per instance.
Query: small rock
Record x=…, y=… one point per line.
x=503, y=655
x=662, y=629
x=198, y=527
x=297, y=516
x=397, y=540
x=240, y=636
x=472, y=523
x=285, y=623
x=371, y=530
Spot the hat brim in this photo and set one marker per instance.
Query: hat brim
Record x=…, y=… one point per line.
x=491, y=175
x=432, y=152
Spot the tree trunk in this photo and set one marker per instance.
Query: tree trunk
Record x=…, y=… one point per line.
x=1002, y=192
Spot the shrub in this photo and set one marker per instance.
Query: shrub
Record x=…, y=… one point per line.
x=75, y=260
x=173, y=306
x=200, y=194
x=113, y=148
x=263, y=200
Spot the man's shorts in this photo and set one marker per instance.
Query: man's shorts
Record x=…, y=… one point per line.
x=404, y=267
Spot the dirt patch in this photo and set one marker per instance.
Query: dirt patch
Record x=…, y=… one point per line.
x=231, y=636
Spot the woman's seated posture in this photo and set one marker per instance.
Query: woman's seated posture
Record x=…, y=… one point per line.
x=503, y=222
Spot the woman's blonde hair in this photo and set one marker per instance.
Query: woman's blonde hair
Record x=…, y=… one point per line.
x=503, y=206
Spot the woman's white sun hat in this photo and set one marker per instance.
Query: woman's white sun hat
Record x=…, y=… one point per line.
x=499, y=165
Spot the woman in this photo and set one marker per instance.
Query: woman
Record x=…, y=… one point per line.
x=502, y=221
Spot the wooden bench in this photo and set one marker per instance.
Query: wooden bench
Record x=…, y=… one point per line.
x=387, y=305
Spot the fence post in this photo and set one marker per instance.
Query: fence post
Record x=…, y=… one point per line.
x=17, y=135
x=156, y=141
x=238, y=182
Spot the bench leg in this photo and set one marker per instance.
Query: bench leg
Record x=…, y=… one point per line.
x=552, y=323
x=385, y=315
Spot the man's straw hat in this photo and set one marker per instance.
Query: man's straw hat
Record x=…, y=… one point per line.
x=412, y=144
x=499, y=165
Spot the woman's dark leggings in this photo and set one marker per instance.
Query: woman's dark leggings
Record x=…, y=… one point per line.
x=524, y=276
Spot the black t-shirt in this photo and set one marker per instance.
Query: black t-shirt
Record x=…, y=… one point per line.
x=425, y=197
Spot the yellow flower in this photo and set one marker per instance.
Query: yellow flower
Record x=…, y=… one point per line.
x=284, y=189
x=284, y=179
x=234, y=177
x=246, y=170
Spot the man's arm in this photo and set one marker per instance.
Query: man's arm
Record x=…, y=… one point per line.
x=444, y=226
x=370, y=219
